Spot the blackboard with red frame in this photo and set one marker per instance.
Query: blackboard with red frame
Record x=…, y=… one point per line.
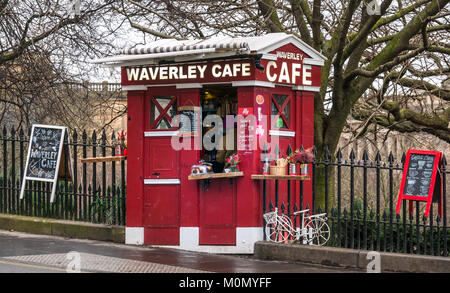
x=421, y=179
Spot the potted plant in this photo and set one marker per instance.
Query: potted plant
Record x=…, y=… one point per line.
x=304, y=157
x=233, y=162
x=292, y=164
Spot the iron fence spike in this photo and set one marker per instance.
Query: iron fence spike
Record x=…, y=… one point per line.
x=289, y=150
x=352, y=154
x=339, y=154
x=391, y=157
x=327, y=153
x=378, y=157
x=265, y=148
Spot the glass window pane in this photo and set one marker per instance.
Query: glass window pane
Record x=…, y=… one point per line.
x=163, y=122
x=287, y=112
x=280, y=99
x=279, y=123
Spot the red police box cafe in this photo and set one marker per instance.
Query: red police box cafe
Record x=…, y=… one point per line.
x=183, y=193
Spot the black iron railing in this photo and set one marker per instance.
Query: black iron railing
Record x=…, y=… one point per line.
x=96, y=193
x=360, y=198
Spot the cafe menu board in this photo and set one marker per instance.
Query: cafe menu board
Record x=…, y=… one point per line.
x=420, y=175
x=191, y=126
x=45, y=151
x=246, y=129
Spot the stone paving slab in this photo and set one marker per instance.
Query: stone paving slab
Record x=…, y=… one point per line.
x=99, y=263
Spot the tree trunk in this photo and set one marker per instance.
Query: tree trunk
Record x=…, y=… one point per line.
x=325, y=181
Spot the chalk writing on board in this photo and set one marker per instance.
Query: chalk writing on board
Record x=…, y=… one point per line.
x=419, y=175
x=43, y=158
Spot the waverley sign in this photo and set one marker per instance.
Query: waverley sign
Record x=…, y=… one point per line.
x=288, y=69
x=191, y=71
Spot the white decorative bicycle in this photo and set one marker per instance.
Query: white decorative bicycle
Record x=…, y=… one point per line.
x=314, y=229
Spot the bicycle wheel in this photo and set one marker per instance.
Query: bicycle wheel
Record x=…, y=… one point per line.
x=318, y=231
x=278, y=230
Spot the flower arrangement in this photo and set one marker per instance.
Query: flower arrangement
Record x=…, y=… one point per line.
x=303, y=156
x=291, y=159
x=121, y=148
x=234, y=161
x=121, y=137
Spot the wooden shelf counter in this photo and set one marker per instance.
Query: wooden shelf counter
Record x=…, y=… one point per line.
x=281, y=177
x=103, y=159
x=216, y=175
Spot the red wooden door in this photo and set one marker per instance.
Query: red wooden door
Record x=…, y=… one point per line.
x=218, y=213
x=161, y=172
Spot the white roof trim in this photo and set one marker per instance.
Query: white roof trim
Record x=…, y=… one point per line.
x=134, y=87
x=121, y=59
x=307, y=88
x=253, y=83
x=201, y=44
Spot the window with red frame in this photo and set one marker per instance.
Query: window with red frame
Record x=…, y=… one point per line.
x=162, y=110
x=280, y=111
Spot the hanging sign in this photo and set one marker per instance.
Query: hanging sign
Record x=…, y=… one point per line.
x=421, y=178
x=48, y=150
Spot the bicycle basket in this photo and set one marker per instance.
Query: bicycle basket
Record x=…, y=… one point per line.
x=270, y=217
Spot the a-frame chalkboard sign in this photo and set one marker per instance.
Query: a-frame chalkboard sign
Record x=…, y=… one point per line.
x=48, y=150
x=421, y=179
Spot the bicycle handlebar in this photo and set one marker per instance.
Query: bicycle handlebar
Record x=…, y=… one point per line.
x=300, y=212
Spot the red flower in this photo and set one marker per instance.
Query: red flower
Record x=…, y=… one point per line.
x=303, y=157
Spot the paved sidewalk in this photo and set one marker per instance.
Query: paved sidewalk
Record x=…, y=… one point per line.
x=50, y=252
